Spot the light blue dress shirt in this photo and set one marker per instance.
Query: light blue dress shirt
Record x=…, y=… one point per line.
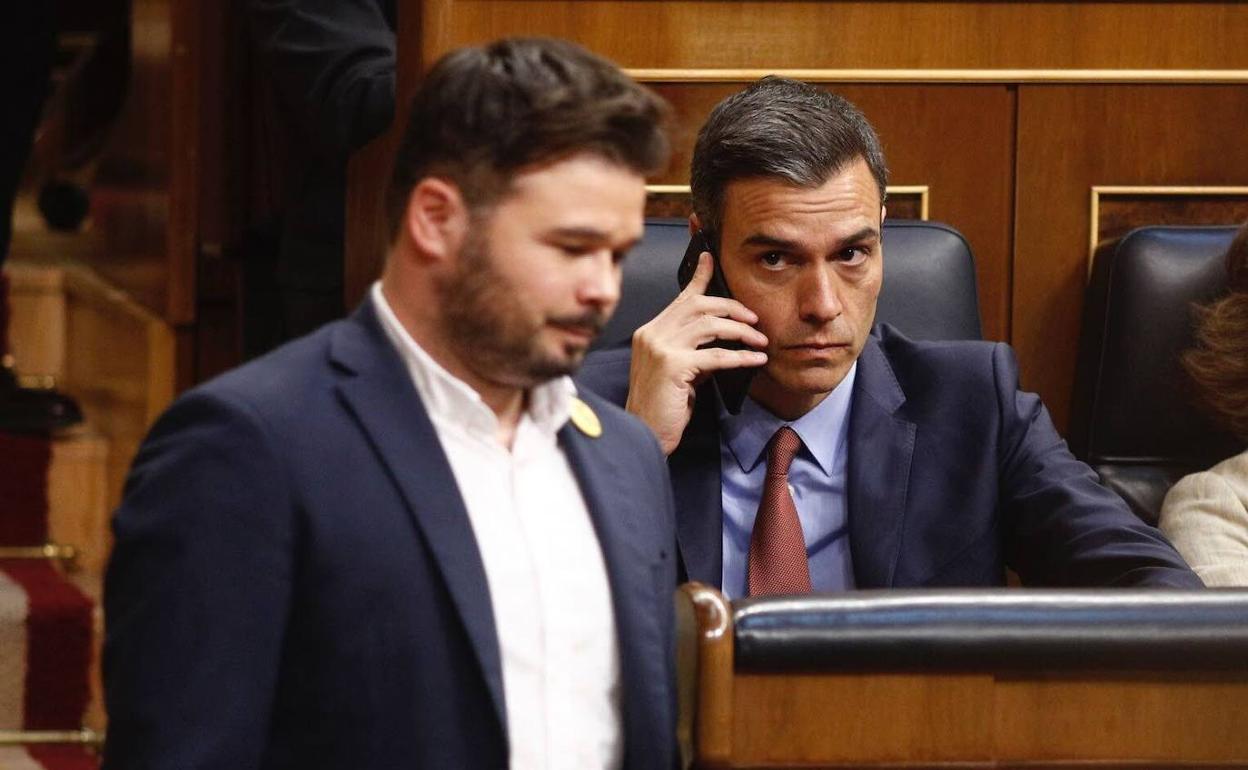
x=816, y=480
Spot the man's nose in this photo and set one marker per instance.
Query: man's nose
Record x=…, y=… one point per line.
x=600, y=282
x=819, y=300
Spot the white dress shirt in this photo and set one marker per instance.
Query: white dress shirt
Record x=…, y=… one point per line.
x=548, y=582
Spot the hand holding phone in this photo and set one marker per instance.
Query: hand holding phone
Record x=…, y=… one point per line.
x=696, y=336
x=733, y=384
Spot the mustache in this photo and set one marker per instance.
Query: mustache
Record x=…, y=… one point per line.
x=593, y=320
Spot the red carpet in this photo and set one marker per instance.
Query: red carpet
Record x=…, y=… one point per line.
x=45, y=622
x=57, y=648
x=48, y=758
x=24, y=489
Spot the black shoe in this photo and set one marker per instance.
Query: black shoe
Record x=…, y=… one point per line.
x=28, y=410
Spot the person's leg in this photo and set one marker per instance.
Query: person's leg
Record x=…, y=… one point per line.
x=27, y=47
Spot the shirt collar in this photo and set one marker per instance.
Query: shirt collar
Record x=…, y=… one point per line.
x=823, y=429
x=449, y=399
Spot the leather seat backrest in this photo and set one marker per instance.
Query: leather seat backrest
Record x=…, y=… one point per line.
x=1135, y=418
x=928, y=292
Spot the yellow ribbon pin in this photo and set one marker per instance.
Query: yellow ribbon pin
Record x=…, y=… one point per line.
x=584, y=419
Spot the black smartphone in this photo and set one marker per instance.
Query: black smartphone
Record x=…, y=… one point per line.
x=733, y=384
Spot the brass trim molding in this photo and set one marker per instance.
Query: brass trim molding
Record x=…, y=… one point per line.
x=668, y=189
x=1097, y=191
x=65, y=554
x=726, y=75
x=921, y=190
x=84, y=737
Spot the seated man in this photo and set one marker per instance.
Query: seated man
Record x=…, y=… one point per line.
x=912, y=463
x=404, y=540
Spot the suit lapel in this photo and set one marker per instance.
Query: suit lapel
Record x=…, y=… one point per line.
x=384, y=401
x=695, y=474
x=881, y=445
x=630, y=570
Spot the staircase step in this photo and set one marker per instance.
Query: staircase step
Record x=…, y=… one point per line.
x=72, y=329
x=48, y=758
x=46, y=626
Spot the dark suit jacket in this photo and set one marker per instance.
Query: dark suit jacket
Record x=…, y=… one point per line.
x=296, y=583
x=953, y=475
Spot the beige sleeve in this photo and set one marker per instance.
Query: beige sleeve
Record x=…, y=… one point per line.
x=1208, y=524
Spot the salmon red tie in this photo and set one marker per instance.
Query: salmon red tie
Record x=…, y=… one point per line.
x=777, y=548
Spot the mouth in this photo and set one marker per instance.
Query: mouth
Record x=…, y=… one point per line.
x=818, y=346
x=817, y=350
x=581, y=332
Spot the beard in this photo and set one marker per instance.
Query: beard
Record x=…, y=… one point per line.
x=494, y=333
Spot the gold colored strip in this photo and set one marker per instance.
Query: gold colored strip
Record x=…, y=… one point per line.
x=921, y=190
x=1094, y=214
x=668, y=189
x=62, y=553
x=84, y=737
x=37, y=381
x=704, y=75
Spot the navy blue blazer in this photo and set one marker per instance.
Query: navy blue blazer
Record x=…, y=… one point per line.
x=295, y=582
x=954, y=474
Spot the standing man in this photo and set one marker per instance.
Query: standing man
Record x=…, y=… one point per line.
x=860, y=458
x=406, y=541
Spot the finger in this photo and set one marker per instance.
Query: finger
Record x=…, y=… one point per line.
x=701, y=277
x=718, y=359
x=724, y=307
x=709, y=328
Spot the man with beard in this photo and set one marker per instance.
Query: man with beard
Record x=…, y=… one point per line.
x=406, y=540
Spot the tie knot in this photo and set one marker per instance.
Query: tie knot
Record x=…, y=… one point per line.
x=782, y=449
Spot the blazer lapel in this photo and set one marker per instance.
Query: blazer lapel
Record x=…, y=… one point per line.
x=630, y=570
x=384, y=401
x=694, y=467
x=881, y=446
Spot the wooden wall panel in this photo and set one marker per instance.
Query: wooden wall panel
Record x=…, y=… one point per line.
x=1118, y=210
x=1072, y=138
x=943, y=82
x=727, y=33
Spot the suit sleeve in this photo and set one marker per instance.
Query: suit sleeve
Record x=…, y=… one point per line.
x=196, y=593
x=1065, y=528
x=333, y=64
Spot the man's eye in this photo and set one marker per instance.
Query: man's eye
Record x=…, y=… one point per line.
x=853, y=255
x=772, y=259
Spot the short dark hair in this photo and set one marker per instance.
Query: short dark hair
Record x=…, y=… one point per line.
x=484, y=113
x=778, y=127
x=1219, y=362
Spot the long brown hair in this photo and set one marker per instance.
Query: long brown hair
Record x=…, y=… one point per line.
x=1219, y=362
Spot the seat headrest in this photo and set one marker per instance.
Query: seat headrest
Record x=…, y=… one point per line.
x=1133, y=402
x=928, y=292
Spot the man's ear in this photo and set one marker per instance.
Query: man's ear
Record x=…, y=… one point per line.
x=694, y=224
x=436, y=219
x=883, y=213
